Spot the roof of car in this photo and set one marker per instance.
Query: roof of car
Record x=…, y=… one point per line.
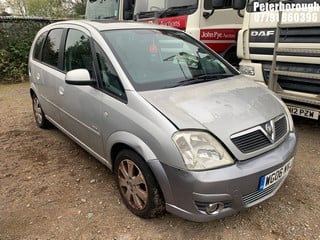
x=102, y=25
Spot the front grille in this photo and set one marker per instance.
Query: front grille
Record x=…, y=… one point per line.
x=253, y=197
x=298, y=84
x=258, y=138
x=251, y=142
x=281, y=128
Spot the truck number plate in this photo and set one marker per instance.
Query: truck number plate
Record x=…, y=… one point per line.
x=303, y=112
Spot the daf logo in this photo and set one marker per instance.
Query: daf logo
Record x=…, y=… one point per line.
x=262, y=33
x=270, y=131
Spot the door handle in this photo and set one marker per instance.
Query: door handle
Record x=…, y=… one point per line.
x=38, y=76
x=61, y=91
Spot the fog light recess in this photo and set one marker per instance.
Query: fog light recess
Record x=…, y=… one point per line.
x=214, y=208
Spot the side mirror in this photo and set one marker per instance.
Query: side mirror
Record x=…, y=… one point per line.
x=217, y=4
x=238, y=4
x=79, y=77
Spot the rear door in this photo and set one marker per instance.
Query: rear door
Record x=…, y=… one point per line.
x=46, y=71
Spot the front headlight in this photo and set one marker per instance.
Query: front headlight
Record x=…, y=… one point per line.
x=247, y=70
x=201, y=151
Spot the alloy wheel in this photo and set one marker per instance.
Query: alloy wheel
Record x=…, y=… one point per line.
x=132, y=184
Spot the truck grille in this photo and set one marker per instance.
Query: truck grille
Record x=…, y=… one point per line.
x=262, y=136
x=298, y=84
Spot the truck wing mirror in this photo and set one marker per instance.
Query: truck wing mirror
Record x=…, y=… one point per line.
x=215, y=4
x=238, y=4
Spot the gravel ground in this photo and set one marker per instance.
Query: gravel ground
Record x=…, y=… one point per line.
x=52, y=189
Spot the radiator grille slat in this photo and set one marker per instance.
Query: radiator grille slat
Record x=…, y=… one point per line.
x=257, y=139
x=256, y=196
x=281, y=128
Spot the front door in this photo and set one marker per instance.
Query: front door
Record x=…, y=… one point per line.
x=80, y=111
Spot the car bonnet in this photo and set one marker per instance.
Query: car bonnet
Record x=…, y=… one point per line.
x=222, y=107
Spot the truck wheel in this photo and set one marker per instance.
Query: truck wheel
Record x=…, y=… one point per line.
x=137, y=185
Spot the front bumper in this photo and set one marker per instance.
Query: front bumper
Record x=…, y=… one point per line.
x=188, y=193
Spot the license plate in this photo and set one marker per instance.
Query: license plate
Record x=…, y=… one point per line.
x=304, y=112
x=275, y=176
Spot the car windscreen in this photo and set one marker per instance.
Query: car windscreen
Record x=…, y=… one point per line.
x=157, y=59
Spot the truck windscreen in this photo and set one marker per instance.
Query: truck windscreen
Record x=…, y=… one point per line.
x=164, y=8
x=102, y=9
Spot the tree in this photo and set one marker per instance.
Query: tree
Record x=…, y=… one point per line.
x=19, y=6
x=49, y=8
x=45, y=8
x=80, y=8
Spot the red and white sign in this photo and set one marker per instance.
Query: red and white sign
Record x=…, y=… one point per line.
x=219, y=39
x=179, y=22
x=218, y=34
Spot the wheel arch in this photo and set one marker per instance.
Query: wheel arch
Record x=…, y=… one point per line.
x=125, y=140
x=231, y=48
x=32, y=90
x=230, y=54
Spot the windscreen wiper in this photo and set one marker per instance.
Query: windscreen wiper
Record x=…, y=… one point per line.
x=213, y=76
x=172, y=11
x=202, y=78
x=148, y=14
x=109, y=17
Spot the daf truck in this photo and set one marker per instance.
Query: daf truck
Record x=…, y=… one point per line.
x=279, y=46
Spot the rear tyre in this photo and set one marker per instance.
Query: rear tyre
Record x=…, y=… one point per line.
x=38, y=113
x=137, y=185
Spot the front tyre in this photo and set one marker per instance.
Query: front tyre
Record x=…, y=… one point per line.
x=137, y=185
x=39, y=116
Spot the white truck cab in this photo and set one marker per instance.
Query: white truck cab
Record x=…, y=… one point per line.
x=217, y=28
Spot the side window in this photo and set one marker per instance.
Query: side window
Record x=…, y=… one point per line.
x=208, y=4
x=38, y=46
x=109, y=79
x=77, y=52
x=128, y=7
x=228, y=4
x=50, y=52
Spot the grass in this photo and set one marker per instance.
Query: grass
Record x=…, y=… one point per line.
x=6, y=87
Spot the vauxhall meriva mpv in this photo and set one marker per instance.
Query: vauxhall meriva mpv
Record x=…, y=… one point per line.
x=181, y=129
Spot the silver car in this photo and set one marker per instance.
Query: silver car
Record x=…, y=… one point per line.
x=181, y=129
